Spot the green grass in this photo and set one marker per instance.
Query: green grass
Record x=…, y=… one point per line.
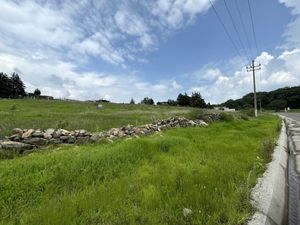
x=73, y=115
x=140, y=181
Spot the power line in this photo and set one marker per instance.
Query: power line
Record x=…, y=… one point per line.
x=243, y=25
x=253, y=30
x=225, y=29
x=236, y=30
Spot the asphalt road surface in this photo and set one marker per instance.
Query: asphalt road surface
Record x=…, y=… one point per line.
x=295, y=116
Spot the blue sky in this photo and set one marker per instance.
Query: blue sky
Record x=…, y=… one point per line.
x=92, y=49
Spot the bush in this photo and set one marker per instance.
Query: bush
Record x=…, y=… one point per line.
x=266, y=149
x=248, y=112
x=244, y=117
x=226, y=117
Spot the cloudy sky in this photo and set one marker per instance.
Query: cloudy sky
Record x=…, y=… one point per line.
x=92, y=49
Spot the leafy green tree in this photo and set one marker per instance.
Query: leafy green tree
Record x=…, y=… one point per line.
x=277, y=99
x=147, y=101
x=183, y=100
x=37, y=92
x=196, y=100
x=172, y=102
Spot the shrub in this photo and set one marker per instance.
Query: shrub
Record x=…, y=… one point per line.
x=248, y=112
x=244, y=117
x=226, y=117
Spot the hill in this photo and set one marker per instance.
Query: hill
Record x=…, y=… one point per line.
x=275, y=100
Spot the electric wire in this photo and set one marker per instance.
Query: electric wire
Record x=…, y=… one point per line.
x=253, y=29
x=236, y=30
x=225, y=29
x=243, y=26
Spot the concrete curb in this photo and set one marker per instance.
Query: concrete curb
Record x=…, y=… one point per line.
x=269, y=196
x=293, y=132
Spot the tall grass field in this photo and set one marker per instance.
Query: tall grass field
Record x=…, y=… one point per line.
x=149, y=180
x=73, y=115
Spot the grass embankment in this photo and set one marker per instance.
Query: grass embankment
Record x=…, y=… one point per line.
x=141, y=181
x=73, y=115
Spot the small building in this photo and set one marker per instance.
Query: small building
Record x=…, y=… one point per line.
x=228, y=109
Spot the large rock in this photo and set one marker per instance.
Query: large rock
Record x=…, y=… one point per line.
x=47, y=136
x=12, y=145
x=28, y=133
x=15, y=137
x=36, y=141
x=54, y=141
x=17, y=131
x=96, y=137
x=49, y=131
x=71, y=140
x=192, y=123
x=82, y=140
x=38, y=133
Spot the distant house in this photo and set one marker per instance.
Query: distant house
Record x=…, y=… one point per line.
x=33, y=96
x=45, y=97
x=162, y=103
x=226, y=109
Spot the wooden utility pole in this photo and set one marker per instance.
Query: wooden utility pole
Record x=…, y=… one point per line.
x=253, y=68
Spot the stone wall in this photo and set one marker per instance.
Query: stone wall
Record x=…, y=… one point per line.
x=27, y=139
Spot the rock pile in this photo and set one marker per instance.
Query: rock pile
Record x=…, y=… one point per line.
x=23, y=139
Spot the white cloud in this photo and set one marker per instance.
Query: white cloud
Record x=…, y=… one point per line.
x=62, y=80
x=292, y=33
x=264, y=58
x=276, y=72
x=176, y=13
x=110, y=30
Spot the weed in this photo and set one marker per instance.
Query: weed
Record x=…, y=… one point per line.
x=244, y=117
x=228, y=117
x=13, y=107
x=267, y=148
x=195, y=114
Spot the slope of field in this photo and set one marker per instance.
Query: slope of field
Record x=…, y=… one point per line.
x=140, y=181
x=73, y=115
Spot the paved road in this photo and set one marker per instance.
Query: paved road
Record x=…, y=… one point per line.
x=295, y=116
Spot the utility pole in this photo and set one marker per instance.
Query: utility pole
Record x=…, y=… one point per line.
x=253, y=68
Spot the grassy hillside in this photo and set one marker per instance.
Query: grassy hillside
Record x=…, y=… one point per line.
x=273, y=100
x=141, y=181
x=73, y=115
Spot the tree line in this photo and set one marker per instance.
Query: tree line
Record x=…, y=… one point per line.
x=13, y=87
x=275, y=100
x=195, y=100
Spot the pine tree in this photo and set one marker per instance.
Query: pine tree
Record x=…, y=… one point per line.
x=18, y=87
x=5, y=86
x=132, y=101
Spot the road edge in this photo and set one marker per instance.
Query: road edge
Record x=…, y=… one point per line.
x=269, y=196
